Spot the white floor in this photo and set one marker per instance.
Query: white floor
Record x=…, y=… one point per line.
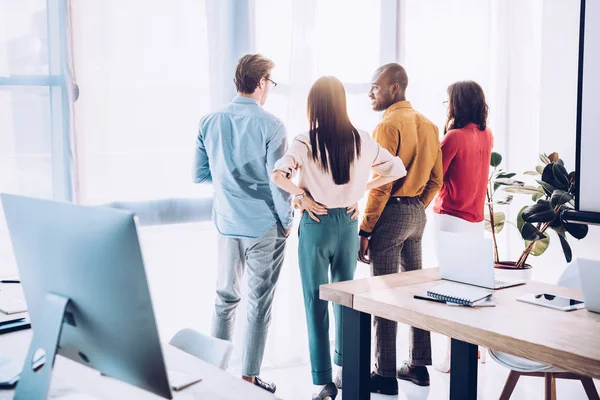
x=294, y=383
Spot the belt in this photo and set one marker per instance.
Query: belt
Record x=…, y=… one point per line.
x=404, y=200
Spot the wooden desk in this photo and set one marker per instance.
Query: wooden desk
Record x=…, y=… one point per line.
x=568, y=340
x=71, y=378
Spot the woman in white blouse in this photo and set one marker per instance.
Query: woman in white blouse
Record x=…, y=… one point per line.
x=334, y=160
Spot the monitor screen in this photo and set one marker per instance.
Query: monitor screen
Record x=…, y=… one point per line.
x=588, y=115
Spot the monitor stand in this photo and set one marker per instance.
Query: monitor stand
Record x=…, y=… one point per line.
x=35, y=380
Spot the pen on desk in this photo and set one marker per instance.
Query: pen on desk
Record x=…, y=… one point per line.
x=10, y=281
x=416, y=296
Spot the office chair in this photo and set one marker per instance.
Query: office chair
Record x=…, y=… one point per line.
x=207, y=348
x=523, y=367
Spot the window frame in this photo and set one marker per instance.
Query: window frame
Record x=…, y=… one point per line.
x=60, y=87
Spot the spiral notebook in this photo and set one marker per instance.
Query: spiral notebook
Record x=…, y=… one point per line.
x=459, y=294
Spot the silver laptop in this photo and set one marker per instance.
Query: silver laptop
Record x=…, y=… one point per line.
x=589, y=274
x=468, y=259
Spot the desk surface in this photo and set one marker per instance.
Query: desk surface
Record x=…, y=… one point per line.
x=73, y=379
x=568, y=340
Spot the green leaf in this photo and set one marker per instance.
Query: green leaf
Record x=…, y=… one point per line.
x=495, y=159
x=539, y=169
x=522, y=189
x=560, y=197
x=509, y=182
x=561, y=175
x=544, y=158
x=566, y=248
x=578, y=231
x=557, y=225
x=499, y=220
x=532, y=173
x=539, y=247
x=541, y=211
x=505, y=201
x=536, y=196
x=520, y=220
x=546, y=187
x=556, y=176
x=530, y=232
x=506, y=175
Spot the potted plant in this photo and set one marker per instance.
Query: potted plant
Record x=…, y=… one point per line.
x=495, y=220
x=554, y=193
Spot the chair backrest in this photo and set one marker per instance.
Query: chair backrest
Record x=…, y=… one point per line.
x=207, y=348
x=570, y=277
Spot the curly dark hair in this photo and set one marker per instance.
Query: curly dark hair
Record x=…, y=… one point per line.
x=466, y=105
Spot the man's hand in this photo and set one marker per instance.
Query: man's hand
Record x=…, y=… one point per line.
x=353, y=210
x=364, y=254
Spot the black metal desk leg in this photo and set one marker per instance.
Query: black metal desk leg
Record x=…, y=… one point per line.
x=357, y=354
x=463, y=371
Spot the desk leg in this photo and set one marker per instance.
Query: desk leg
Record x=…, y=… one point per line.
x=357, y=354
x=463, y=371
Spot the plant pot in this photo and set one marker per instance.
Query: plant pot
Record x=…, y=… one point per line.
x=506, y=271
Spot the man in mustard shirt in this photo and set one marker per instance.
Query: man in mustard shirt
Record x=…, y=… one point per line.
x=394, y=220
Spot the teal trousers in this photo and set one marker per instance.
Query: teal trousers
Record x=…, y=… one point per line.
x=331, y=244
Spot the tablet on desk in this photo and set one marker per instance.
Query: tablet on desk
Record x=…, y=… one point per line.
x=552, y=301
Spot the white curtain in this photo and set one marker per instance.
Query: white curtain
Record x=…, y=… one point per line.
x=142, y=70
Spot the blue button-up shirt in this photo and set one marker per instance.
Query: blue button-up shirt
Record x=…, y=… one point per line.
x=236, y=150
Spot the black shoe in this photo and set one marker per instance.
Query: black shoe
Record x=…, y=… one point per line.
x=383, y=385
x=269, y=387
x=329, y=392
x=417, y=375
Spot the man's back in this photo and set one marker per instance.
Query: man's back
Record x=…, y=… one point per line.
x=418, y=147
x=242, y=142
x=408, y=134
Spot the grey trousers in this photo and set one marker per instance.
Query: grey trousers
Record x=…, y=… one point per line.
x=262, y=259
x=396, y=244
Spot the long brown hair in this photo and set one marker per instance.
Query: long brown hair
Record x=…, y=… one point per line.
x=466, y=105
x=332, y=135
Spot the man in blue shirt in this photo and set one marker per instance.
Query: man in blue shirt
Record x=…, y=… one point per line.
x=236, y=150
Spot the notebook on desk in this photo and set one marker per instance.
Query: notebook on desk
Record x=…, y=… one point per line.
x=459, y=294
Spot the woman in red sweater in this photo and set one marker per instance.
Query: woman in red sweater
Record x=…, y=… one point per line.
x=466, y=150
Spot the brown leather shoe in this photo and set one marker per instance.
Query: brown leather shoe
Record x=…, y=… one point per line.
x=383, y=385
x=417, y=375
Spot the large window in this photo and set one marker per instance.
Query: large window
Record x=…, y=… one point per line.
x=34, y=116
x=143, y=76
x=315, y=38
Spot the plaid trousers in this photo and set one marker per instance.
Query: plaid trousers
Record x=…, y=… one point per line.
x=395, y=244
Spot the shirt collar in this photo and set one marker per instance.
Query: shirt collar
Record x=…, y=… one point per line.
x=396, y=106
x=244, y=100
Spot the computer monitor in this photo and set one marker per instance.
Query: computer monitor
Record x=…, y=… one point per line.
x=83, y=265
